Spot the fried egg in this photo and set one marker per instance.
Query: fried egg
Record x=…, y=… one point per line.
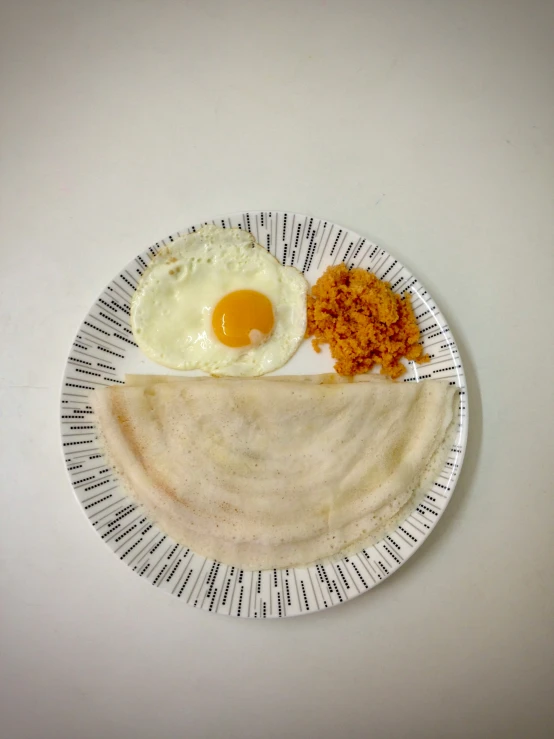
x=217, y=301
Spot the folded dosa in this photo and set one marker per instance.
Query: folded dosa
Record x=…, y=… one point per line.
x=260, y=473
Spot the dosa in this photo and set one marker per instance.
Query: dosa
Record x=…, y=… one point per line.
x=276, y=472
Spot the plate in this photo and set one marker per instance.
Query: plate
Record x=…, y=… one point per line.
x=104, y=351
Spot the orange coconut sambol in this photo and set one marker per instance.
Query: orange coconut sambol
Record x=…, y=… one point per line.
x=364, y=322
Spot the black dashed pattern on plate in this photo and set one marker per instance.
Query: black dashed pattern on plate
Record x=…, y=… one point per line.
x=103, y=352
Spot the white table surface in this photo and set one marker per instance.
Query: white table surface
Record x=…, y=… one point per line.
x=427, y=126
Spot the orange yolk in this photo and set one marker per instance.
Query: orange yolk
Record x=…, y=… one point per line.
x=239, y=314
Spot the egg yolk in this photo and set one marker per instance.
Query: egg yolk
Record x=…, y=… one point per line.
x=242, y=317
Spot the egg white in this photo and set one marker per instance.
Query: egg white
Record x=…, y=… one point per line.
x=171, y=310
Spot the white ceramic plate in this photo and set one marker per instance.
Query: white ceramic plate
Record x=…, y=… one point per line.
x=104, y=351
